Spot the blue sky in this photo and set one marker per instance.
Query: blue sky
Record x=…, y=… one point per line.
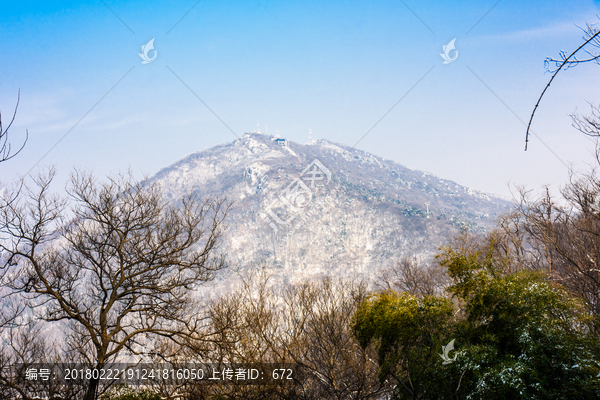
x=333, y=67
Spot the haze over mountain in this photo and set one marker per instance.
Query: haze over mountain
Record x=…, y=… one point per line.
x=306, y=209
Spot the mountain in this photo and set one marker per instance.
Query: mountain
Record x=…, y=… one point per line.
x=305, y=209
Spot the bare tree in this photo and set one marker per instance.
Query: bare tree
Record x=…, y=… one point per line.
x=414, y=277
x=588, y=124
x=567, y=233
x=507, y=248
x=305, y=324
x=122, y=268
x=6, y=151
x=25, y=346
x=556, y=234
x=591, y=46
x=328, y=351
x=11, y=308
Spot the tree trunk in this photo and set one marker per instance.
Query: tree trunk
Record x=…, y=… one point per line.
x=92, y=389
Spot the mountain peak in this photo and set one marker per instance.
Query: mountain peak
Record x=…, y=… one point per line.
x=314, y=207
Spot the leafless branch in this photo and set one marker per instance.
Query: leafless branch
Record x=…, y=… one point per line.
x=124, y=266
x=591, y=36
x=6, y=152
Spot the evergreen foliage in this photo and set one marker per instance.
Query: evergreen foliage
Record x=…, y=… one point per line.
x=518, y=336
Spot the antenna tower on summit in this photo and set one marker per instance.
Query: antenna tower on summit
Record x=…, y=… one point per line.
x=309, y=135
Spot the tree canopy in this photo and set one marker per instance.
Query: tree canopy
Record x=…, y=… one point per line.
x=518, y=335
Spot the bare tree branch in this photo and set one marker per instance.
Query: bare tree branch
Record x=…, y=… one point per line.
x=591, y=36
x=5, y=145
x=123, y=267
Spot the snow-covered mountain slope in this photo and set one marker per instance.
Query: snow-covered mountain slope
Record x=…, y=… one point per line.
x=305, y=209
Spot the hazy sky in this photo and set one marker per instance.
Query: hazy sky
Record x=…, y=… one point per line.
x=336, y=67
